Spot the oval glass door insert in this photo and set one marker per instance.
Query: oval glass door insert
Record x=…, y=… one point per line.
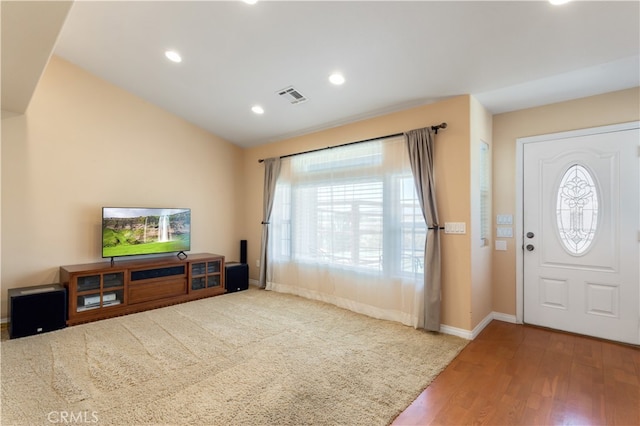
x=577, y=210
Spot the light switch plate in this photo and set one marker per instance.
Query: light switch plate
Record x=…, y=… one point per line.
x=504, y=232
x=455, y=228
x=504, y=219
x=501, y=245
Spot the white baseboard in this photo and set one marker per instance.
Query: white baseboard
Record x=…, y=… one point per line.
x=254, y=282
x=455, y=331
x=504, y=317
x=4, y=320
x=471, y=335
x=478, y=328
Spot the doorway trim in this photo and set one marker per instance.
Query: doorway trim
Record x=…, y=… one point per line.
x=519, y=216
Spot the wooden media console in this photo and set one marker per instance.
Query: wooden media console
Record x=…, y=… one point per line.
x=103, y=290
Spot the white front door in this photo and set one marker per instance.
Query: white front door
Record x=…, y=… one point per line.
x=581, y=226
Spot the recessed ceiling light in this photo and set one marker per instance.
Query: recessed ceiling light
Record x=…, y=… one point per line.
x=250, y=1
x=257, y=109
x=173, y=56
x=558, y=2
x=336, y=78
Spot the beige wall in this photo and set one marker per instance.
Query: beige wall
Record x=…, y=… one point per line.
x=84, y=144
x=611, y=108
x=452, y=175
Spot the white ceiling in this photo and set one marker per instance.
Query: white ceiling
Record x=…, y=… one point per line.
x=393, y=54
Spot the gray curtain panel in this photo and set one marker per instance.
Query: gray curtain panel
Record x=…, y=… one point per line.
x=420, y=144
x=271, y=173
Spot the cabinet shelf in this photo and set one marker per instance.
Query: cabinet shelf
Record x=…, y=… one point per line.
x=102, y=290
x=93, y=291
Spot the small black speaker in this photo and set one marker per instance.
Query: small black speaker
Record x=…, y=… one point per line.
x=37, y=309
x=236, y=276
x=243, y=251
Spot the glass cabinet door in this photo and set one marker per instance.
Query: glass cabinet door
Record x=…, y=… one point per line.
x=198, y=283
x=99, y=291
x=89, y=282
x=213, y=281
x=213, y=267
x=206, y=274
x=113, y=280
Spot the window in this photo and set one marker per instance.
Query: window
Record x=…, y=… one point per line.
x=352, y=207
x=413, y=228
x=485, y=193
x=577, y=209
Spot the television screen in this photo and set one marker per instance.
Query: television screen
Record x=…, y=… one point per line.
x=135, y=231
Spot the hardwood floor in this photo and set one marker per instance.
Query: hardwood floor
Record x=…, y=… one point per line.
x=522, y=375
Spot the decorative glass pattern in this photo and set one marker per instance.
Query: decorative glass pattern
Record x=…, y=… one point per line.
x=577, y=209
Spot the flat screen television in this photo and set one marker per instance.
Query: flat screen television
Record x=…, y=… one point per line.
x=130, y=231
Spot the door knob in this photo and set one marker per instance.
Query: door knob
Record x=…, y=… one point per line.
x=529, y=247
x=530, y=235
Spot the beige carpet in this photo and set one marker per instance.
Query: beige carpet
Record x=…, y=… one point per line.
x=247, y=358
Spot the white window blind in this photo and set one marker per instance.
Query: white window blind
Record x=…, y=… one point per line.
x=485, y=193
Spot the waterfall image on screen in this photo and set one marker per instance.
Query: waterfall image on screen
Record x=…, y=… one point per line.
x=163, y=229
x=135, y=231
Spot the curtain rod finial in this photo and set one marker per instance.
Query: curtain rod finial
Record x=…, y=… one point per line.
x=439, y=126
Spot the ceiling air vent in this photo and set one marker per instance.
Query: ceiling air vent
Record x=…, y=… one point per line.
x=292, y=95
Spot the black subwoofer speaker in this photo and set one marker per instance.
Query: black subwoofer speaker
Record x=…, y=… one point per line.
x=37, y=309
x=236, y=276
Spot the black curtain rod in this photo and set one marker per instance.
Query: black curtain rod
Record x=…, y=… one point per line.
x=434, y=128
